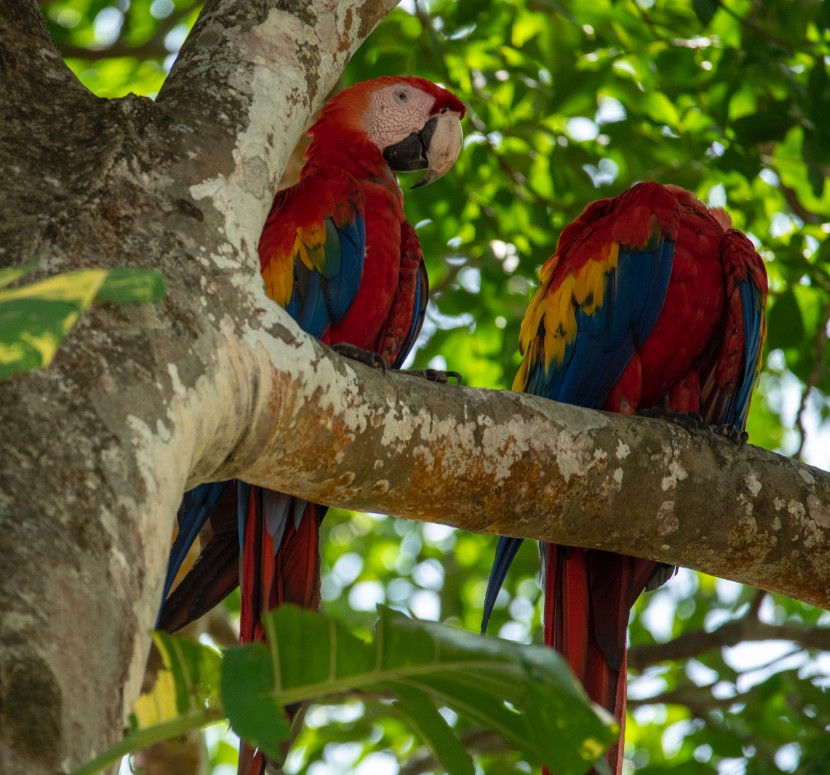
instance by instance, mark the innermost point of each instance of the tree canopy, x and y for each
(569, 102)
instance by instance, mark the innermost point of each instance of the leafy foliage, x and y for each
(527, 695)
(35, 318)
(571, 101)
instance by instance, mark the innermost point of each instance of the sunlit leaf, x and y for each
(35, 318)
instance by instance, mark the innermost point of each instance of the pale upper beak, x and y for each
(435, 148)
(443, 148)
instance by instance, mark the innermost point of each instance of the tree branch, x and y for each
(498, 462)
(694, 643)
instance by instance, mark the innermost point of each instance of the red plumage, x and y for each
(337, 253)
(651, 300)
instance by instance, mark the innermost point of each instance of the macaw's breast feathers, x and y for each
(313, 247)
(599, 296)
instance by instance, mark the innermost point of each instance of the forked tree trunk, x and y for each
(215, 382)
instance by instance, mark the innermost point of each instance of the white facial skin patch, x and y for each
(396, 112)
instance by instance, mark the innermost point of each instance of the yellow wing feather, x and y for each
(555, 310)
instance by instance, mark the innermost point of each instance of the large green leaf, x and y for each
(428, 724)
(252, 702)
(35, 318)
(525, 693)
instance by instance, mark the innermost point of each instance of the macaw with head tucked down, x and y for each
(338, 254)
(651, 301)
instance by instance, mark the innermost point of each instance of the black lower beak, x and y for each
(406, 156)
(410, 154)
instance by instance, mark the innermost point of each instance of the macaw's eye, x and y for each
(443, 111)
(402, 96)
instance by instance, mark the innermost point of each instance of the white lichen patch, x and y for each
(396, 431)
(618, 476)
(178, 386)
(819, 512)
(623, 450)
(779, 503)
(813, 534)
(574, 453)
(459, 439)
(162, 431)
(667, 521)
(676, 474)
(796, 510)
(807, 477)
(511, 441)
(752, 484)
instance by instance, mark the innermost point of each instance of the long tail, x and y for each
(279, 563)
(588, 598)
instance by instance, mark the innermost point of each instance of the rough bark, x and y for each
(97, 450)
(216, 382)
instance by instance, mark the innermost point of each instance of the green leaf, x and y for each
(704, 10)
(35, 318)
(785, 323)
(122, 286)
(193, 670)
(812, 159)
(432, 728)
(251, 699)
(8, 276)
(770, 123)
(485, 679)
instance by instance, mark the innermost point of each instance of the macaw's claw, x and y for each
(436, 375)
(737, 437)
(366, 357)
(691, 421)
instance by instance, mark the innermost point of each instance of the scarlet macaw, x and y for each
(651, 300)
(337, 253)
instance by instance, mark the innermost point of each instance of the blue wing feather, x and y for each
(737, 406)
(320, 299)
(194, 512)
(308, 304)
(596, 357)
(342, 286)
(605, 340)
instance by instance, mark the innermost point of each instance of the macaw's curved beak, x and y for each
(435, 148)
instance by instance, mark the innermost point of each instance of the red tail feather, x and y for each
(588, 598)
(251, 761)
(271, 576)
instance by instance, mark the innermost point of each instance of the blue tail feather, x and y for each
(505, 552)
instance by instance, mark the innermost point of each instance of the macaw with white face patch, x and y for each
(338, 254)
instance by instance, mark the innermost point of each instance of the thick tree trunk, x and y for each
(215, 382)
(97, 449)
